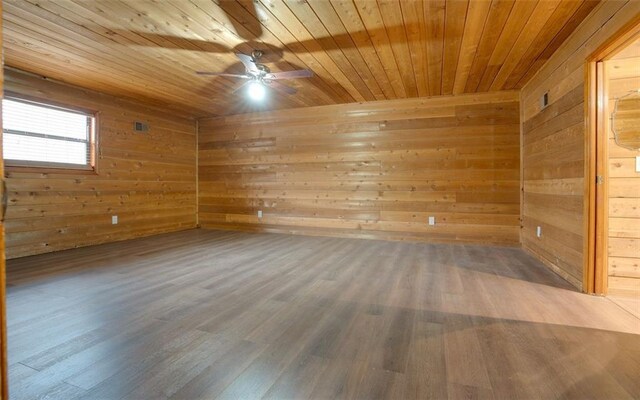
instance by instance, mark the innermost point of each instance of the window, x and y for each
(42, 135)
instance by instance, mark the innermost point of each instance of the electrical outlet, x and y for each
(114, 220)
(259, 213)
(432, 220)
(538, 231)
(637, 163)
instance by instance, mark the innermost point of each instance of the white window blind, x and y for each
(40, 135)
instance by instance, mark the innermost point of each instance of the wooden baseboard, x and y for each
(559, 271)
(371, 235)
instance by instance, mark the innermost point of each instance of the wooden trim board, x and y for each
(4, 382)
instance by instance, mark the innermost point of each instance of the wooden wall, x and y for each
(554, 144)
(623, 74)
(374, 170)
(4, 383)
(148, 179)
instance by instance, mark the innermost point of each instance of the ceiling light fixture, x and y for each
(256, 91)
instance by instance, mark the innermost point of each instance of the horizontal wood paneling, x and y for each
(623, 74)
(361, 50)
(554, 141)
(377, 169)
(148, 180)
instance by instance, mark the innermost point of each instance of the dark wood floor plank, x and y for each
(426, 375)
(298, 380)
(209, 314)
(214, 378)
(165, 374)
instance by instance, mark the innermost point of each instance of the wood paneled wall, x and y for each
(554, 144)
(623, 74)
(374, 170)
(147, 179)
(4, 383)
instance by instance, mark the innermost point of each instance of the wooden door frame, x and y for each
(596, 189)
(4, 367)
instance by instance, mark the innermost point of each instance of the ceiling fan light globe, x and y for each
(256, 91)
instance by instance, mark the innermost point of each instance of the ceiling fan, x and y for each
(259, 75)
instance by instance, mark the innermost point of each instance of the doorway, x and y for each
(614, 186)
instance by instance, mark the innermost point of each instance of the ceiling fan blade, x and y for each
(248, 62)
(222, 74)
(240, 87)
(300, 73)
(283, 88)
(244, 18)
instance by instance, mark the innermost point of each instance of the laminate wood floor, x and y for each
(629, 302)
(208, 314)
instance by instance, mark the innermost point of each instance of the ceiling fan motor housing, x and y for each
(263, 68)
(257, 54)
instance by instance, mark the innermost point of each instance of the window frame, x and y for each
(53, 167)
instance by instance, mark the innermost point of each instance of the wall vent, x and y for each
(140, 127)
(544, 100)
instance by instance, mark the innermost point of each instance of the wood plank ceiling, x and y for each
(360, 50)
